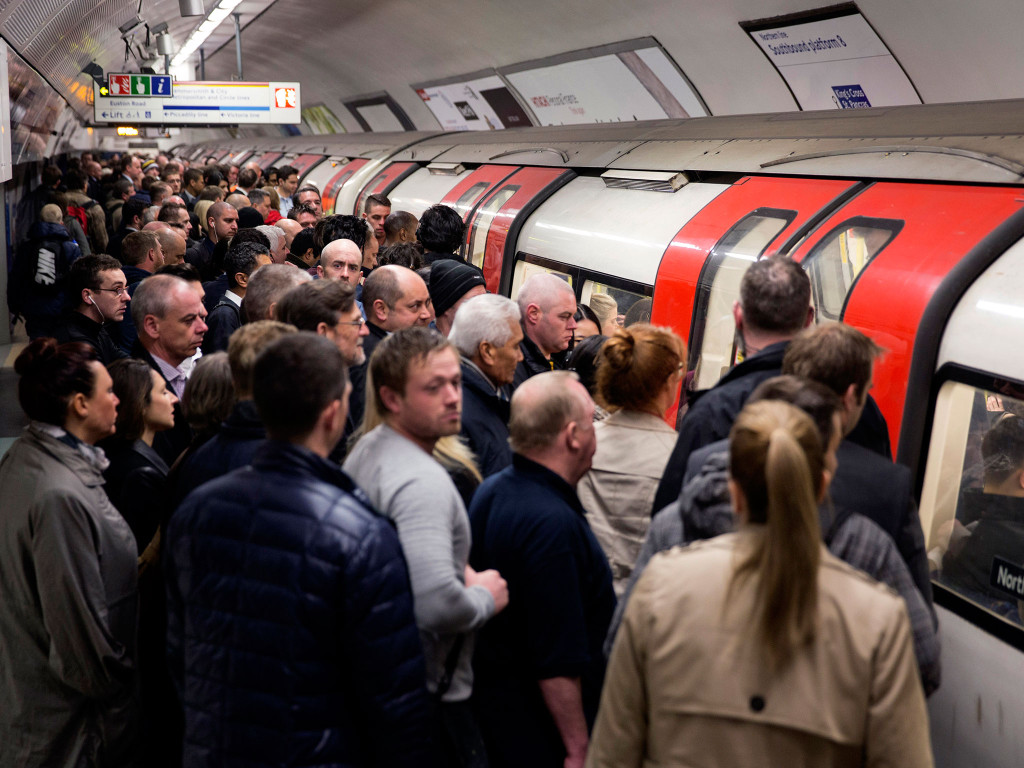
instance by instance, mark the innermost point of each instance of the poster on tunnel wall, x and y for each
(836, 61)
(473, 104)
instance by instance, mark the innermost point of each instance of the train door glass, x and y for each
(482, 223)
(972, 508)
(333, 185)
(629, 307)
(470, 197)
(839, 258)
(712, 339)
(267, 159)
(472, 189)
(527, 268)
(383, 181)
(422, 189)
(303, 163)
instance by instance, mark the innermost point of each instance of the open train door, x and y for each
(699, 275)
(875, 262)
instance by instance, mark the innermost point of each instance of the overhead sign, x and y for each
(204, 103)
(474, 104)
(634, 80)
(836, 61)
(160, 86)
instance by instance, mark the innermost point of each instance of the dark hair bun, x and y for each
(618, 350)
(37, 353)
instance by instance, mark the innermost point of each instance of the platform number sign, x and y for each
(140, 85)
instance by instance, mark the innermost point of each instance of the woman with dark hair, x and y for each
(638, 374)
(136, 477)
(583, 362)
(587, 324)
(67, 572)
(760, 643)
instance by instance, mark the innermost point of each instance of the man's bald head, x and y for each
(291, 228)
(238, 201)
(173, 245)
(156, 226)
(341, 260)
(542, 289)
(551, 422)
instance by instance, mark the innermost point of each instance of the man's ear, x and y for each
(737, 315)
(533, 313)
(572, 436)
(322, 328)
(242, 279)
(151, 326)
(320, 271)
(849, 399)
(391, 400)
(380, 311)
(810, 317)
(486, 352)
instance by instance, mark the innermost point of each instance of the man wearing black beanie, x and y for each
(451, 283)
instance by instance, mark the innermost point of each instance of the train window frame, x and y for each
(893, 226)
(478, 191)
(709, 272)
(482, 208)
(946, 595)
(581, 275)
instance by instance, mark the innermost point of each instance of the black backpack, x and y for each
(40, 270)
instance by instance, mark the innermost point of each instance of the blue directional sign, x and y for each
(160, 85)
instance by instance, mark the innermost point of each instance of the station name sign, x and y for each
(196, 103)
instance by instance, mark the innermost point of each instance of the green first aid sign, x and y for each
(140, 85)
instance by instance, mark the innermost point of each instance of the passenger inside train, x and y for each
(460, 502)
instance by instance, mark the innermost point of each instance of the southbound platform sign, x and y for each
(196, 103)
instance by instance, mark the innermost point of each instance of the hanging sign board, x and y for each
(835, 61)
(202, 103)
(473, 104)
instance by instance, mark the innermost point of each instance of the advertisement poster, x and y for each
(320, 119)
(479, 104)
(837, 62)
(632, 83)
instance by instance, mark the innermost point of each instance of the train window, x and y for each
(482, 223)
(470, 197)
(712, 341)
(630, 307)
(525, 269)
(972, 502)
(838, 259)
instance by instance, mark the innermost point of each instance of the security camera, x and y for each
(129, 28)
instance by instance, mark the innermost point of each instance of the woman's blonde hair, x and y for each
(450, 451)
(635, 363)
(777, 459)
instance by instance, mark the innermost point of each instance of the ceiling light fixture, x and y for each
(213, 20)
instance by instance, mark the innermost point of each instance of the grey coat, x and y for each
(68, 605)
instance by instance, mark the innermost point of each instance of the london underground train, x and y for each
(910, 224)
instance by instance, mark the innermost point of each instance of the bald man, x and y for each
(547, 303)
(341, 260)
(291, 228)
(539, 665)
(238, 201)
(173, 245)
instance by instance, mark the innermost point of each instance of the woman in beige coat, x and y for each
(759, 648)
(639, 370)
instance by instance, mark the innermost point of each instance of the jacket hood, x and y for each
(704, 503)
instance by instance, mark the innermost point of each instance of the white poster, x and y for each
(204, 103)
(482, 104)
(837, 63)
(639, 84)
(380, 117)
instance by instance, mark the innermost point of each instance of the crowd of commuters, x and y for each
(297, 489)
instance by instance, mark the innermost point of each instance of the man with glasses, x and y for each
(327, 308)
(99, 291)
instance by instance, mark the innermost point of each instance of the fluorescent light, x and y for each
(206, 28)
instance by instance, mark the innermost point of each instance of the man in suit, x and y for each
(170, 319)
(842, 358)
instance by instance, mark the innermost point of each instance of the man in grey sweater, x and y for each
(417, 391)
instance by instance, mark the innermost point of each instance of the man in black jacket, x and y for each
(547, 304)
(774, 305)
(98, 293)
(487, 333)
(842, 358)
(241, 260)
(282, 579)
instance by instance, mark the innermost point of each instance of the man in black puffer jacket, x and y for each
(291, 636)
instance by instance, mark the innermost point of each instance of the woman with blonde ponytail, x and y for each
(759, 647)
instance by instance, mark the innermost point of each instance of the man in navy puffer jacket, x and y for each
(291, 636)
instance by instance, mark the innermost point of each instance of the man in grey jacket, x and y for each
(418, 393)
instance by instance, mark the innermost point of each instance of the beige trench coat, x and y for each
(686, 686)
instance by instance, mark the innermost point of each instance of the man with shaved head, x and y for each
(547, 303)
(290, 228)
(238, 200)
(341, 260)
(400, 227)
(172, 244)
(221, 223)
(539, 665)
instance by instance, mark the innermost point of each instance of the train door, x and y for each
(876, 261)
(332, 177)
(466, 196)
(383, 182)
(699, 276)
(497, 218)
